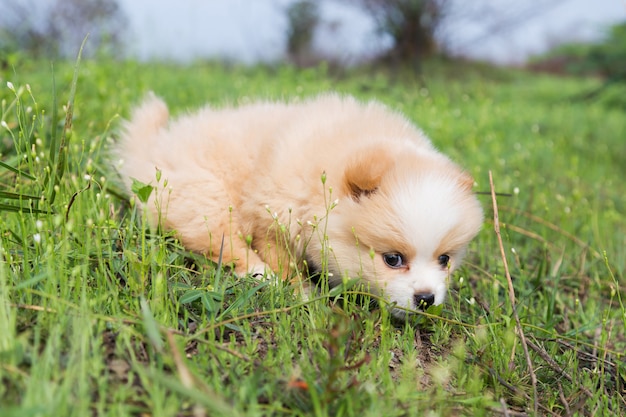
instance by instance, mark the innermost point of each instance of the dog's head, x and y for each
(403, 224)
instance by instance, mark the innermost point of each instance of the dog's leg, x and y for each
(193, 209)
(246, 260)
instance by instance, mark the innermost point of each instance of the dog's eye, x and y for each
(393, 260)
(444, 260)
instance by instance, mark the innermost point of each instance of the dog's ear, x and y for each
(364, 173)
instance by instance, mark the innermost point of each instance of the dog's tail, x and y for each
(147, 119)
(137, 152)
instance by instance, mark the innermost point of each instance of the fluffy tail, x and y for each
(135, 150)
(147, 119)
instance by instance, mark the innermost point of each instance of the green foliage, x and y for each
(100, 315)
(606, 58)
(141, 190)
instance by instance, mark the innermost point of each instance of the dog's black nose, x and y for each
(424, 300)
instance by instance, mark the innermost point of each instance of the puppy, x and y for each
(327, 185)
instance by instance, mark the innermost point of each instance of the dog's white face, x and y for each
(408, 233)
(438, 219)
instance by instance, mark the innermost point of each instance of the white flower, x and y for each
(10, 86)
(37, 238)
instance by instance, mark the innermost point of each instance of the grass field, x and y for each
(100, 316)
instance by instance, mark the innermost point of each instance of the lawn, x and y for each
(100, 315)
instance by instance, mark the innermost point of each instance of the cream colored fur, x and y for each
(253, 174)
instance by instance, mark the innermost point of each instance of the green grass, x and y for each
(99, 316)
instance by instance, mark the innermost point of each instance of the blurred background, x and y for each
(305, 32)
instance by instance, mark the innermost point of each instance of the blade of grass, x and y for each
(241, 300)
(218, 270)
(520, 329)
(150, 325)
(17, 171)
(615, 288)
(61, 162)
(15, 196)
(52, 155)
(16, 209)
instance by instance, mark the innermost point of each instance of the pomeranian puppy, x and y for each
(326, 186)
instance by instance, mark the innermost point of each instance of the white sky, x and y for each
(251, 30)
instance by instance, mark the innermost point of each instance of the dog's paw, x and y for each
(262, 273)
